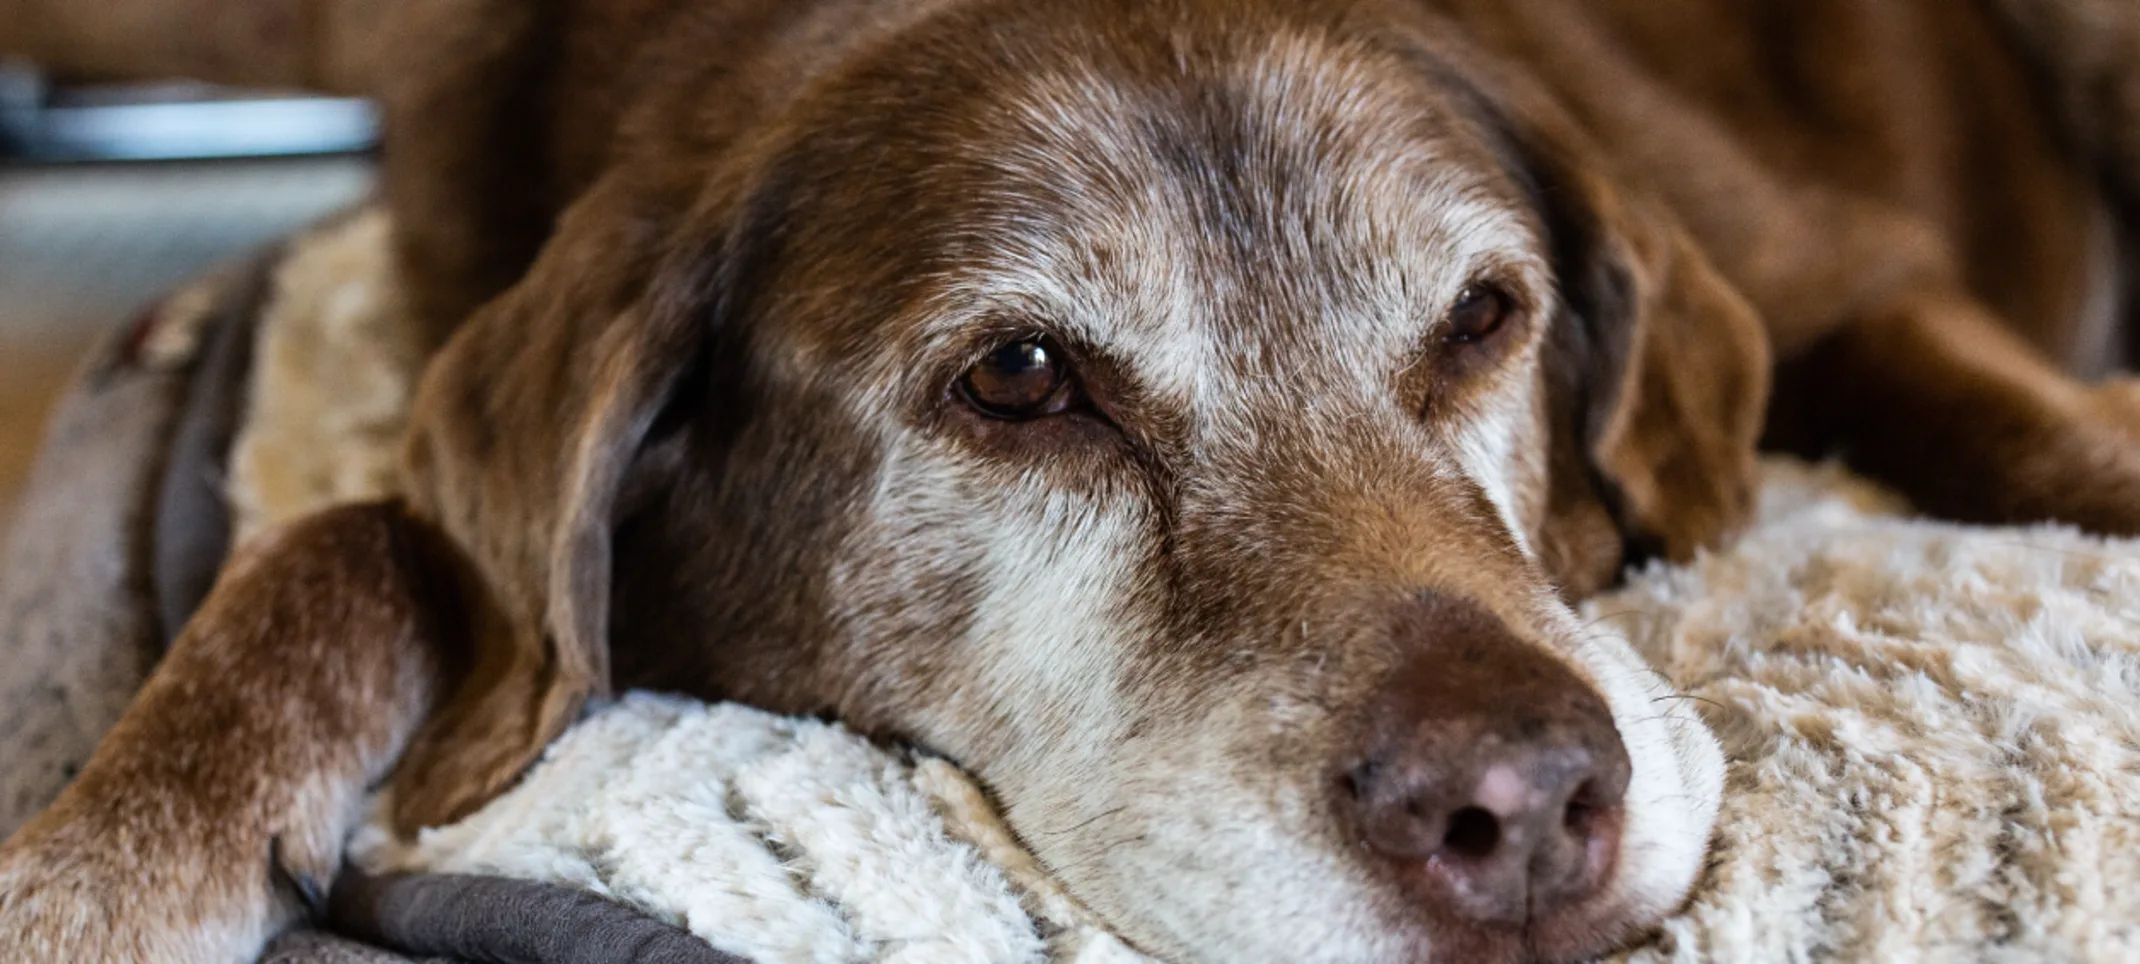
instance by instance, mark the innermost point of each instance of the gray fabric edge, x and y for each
(318, 947)
(503, 919)
(76, 624)
(191, 532)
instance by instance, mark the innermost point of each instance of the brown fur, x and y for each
(714, 250)
(249, 750)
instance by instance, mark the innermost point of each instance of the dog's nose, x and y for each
(1491, 775)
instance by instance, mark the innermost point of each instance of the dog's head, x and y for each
(1192, 422)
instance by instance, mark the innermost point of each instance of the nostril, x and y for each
(1360, 778)
(1581, 813)
(1586, 808)
(1473, 834)
(1578, 818)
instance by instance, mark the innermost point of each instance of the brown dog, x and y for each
(1192, 417)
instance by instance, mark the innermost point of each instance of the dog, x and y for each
(1195, 418)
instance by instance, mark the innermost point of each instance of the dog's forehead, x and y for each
(1280, 209)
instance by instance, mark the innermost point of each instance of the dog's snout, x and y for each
(1512, 826)
(1491, 776)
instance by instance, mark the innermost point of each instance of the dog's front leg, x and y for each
(216, 809)
(1933, 395)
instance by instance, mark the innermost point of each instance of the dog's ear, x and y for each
(1658, 374)
(528, 428)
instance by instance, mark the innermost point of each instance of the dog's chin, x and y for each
(1206, 905)
(1193, 861)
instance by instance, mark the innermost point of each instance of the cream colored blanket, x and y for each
(1933, 731)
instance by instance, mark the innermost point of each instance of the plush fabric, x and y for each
(317, 947)
(1933, 730)
(503, 919)
(336, 366)
(79, 624)
(1934, 733)
(786, 841)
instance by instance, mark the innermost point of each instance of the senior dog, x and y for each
(1192, 417)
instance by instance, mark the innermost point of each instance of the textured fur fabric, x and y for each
(78, 628)
(1934, 734)
(777, 839)
(334, 373)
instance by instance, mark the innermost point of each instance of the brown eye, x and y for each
(1480, 310)
(1021, 380)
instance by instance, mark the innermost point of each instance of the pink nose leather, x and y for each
(1490, 775)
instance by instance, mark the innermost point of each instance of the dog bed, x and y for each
(1933, 731)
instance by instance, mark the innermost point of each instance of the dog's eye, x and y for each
(1480, 310)
(1021, 380)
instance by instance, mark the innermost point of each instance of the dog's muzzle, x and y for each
(1489, 778)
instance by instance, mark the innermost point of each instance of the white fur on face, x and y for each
(1130, 802)
(1677, 784)
(1501, 447)
(1171, 814)
(1051, 579)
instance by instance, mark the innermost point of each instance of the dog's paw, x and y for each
(2082, 467)
(2110, 413)
(57, 906)
(2116, 402)
(70, 894)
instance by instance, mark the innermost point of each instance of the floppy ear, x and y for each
(526, 429)
(1659, 374)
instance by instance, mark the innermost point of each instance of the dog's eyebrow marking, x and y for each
(1098, 192)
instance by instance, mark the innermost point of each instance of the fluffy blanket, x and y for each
(777, 839)
(1933, 730)
(1933, 733)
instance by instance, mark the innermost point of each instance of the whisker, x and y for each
(1690, 697)
(1095, 818)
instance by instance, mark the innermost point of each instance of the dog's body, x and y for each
(1390, 326)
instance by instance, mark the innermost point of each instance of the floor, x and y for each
(84, 247)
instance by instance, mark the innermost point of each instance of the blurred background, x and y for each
(111, 195)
